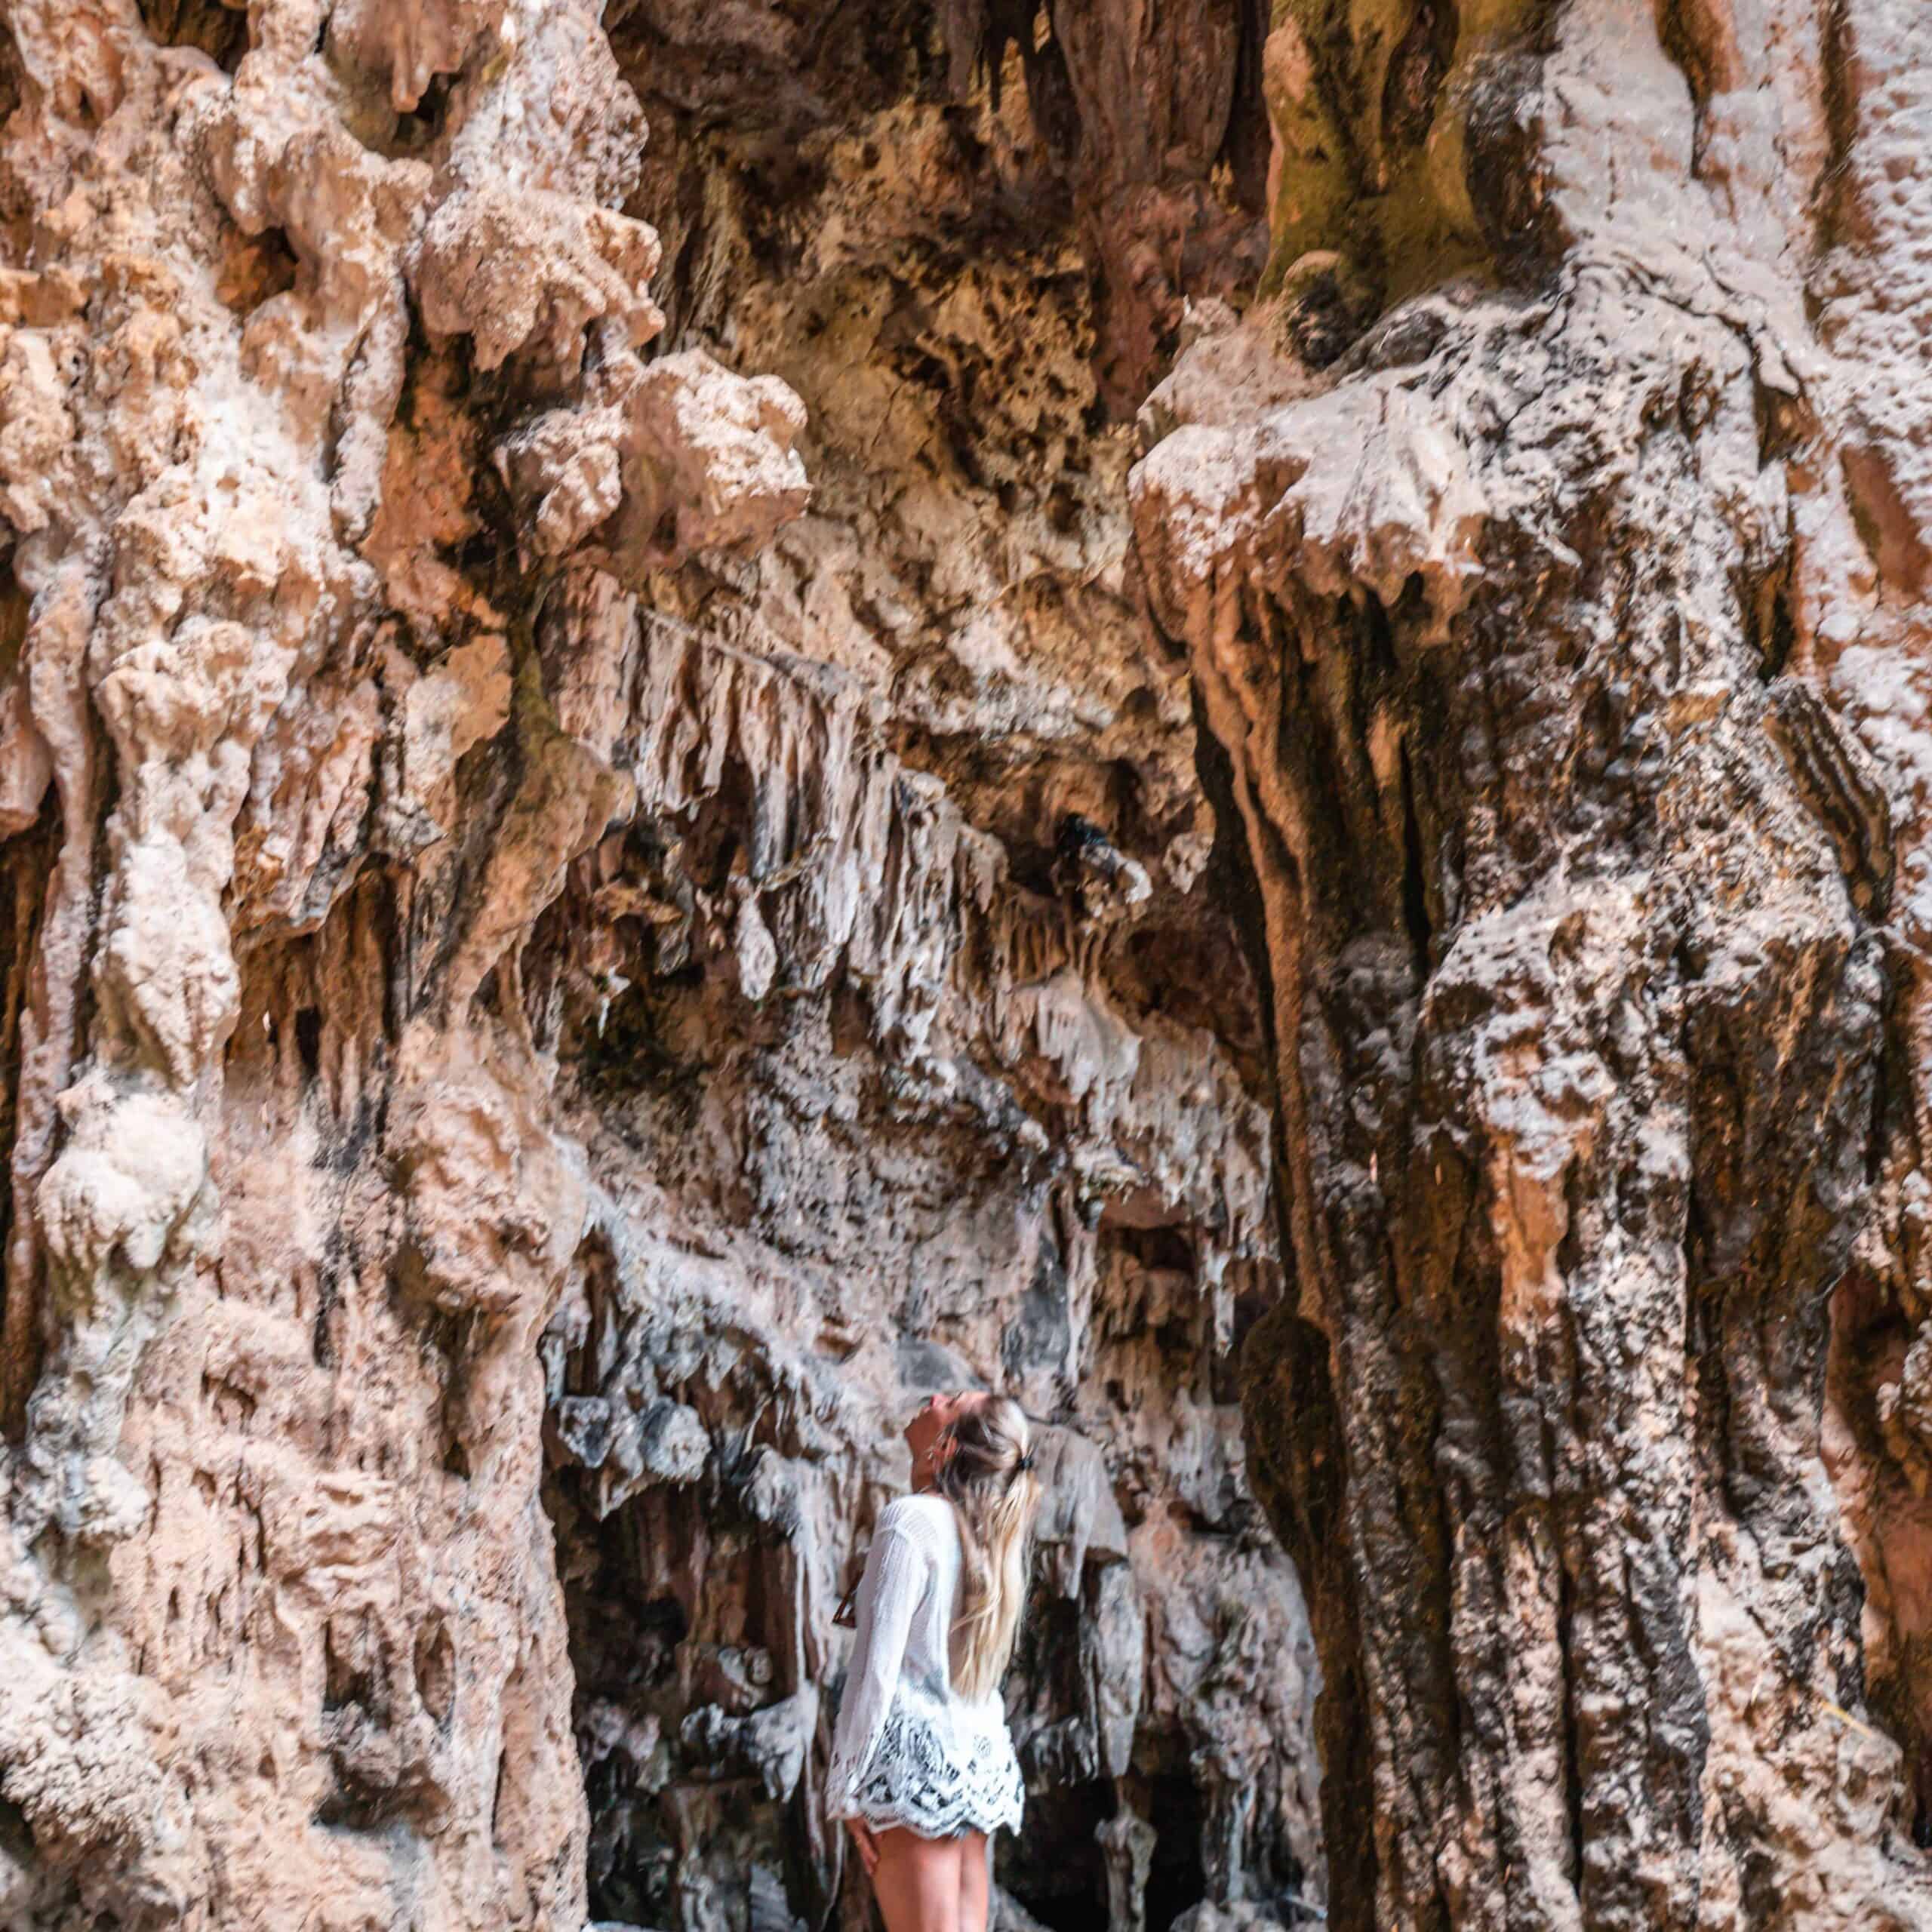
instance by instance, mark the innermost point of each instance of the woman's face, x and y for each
(937, 1415)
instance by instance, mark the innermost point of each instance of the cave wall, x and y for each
(607, 884)
(709, 715)
(1548, 545)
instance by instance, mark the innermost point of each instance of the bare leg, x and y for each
(917, 1882)
(974, 1877)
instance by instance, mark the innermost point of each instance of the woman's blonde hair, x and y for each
(989, 1479)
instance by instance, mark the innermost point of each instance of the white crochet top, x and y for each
(907, 1750)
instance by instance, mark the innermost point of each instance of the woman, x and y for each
(922, 1768)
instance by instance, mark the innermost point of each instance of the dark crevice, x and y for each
(1297, 1463)
(1687, 52)
(1055, 1869)
(1782, 632)
(308, 1040)
(26, 861)
(1415, 877)
(328, 1294)
(218, 30)
(257, 270)
(348, 1676)
(1416, 73)
(1571, 1664)
(1176, 1880)
(1228, 879)
(419, 128)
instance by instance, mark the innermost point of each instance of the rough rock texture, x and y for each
(631, 836)
(606, 884)
(1550, 552)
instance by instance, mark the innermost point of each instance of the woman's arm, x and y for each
(888, 1594)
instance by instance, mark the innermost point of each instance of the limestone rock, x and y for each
(606, 886)
(1553, 634)
(710, 716)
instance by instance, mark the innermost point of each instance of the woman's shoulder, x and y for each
(925, 1518)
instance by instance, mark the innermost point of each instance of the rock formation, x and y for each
(709, 715)
(1555, 600)
(607, 884)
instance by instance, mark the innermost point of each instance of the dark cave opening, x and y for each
(667, 1830)
(1175, 1878)
(705, 1688)
(1054, 1867)
(675, 1610)
(680, 1594)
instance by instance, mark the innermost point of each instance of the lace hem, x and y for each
(913, 1780)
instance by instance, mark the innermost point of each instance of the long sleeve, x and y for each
(889, 1592)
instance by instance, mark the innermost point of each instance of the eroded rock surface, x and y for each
(632, 837)
(607, 885)
(1549, 552)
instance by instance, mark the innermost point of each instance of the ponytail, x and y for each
(989, 1479)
